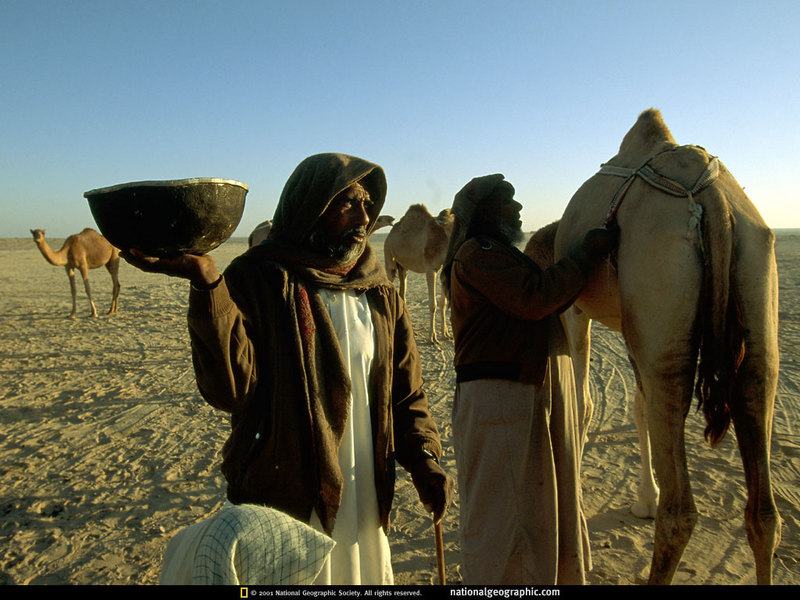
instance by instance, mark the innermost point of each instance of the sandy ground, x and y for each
(106, 449)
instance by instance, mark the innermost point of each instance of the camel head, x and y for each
(447, 220)
(38, 235)
(383, 221)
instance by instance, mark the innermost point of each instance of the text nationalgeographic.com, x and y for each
(504, 592)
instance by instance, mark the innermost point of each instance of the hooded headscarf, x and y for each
(465, 204)
(314, 183)
(309, 190)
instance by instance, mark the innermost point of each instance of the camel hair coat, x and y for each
(264, 350)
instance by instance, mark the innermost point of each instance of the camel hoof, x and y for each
(644, 510)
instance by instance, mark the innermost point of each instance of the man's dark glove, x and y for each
(434, 486)
(597, 244)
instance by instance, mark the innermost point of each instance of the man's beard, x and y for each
(511, 234)
(345, 250)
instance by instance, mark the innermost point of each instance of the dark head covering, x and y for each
(314, 183)
(465, 205)
(308, 192)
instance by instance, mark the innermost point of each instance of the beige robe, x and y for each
(517, 449)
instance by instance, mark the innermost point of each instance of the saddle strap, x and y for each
(657, 180)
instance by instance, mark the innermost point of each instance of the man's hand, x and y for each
(597, 244)
(200, 270)
(434, 486)
(600, 242)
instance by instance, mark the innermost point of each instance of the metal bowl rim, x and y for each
(164, 183)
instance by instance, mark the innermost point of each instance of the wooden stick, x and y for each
(440, 552)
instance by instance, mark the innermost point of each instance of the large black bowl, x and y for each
(166, 218)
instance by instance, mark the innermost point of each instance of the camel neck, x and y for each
(58, 259)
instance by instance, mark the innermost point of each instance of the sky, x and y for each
(97, 93)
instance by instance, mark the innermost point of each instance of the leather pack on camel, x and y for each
(694, 279)
(418, 242)
(83, 251)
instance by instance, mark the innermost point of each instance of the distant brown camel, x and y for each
(694, 278)
(83, 251)
(418, 242)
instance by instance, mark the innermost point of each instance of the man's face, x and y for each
(506, 213)
(341, 232)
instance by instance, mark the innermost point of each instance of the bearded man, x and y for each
(515, 422)
(306, 343)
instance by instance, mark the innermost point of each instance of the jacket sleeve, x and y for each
(222, 352)
(517, 286)
(414, 428)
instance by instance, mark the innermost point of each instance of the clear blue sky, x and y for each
(95, 93)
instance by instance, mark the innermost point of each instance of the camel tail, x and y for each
(720, 323)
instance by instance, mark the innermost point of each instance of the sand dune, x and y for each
(108, 450)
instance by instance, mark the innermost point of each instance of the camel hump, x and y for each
(648, 136)
(419, 209)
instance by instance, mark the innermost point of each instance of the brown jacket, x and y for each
(499, 299)
(248, 363)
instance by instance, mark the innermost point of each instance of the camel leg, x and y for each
(85, 275)
(753, 406)
(72, 287)
(658, 326)
(676, 514)
(647, 493)
(113, 269)
(430, 277)
(578, 328)
(391, 267)
(402, 275)
(443, 313)
(762, 521)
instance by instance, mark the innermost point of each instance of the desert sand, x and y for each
(107, 448)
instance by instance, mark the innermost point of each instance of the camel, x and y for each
(383, 221)
(694, 280)
(418, 242)
(83, 251)
(259, 234)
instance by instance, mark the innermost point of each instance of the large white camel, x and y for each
(694, 279)
(418, 242)
(83, 251)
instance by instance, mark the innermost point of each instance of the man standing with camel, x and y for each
(515, 422)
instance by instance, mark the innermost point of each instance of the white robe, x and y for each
(361, 554)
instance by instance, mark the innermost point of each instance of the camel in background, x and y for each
(261, 231)
(259, 234)
(418, 242)
(383, 221)
(694, 278)
(83, 251)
